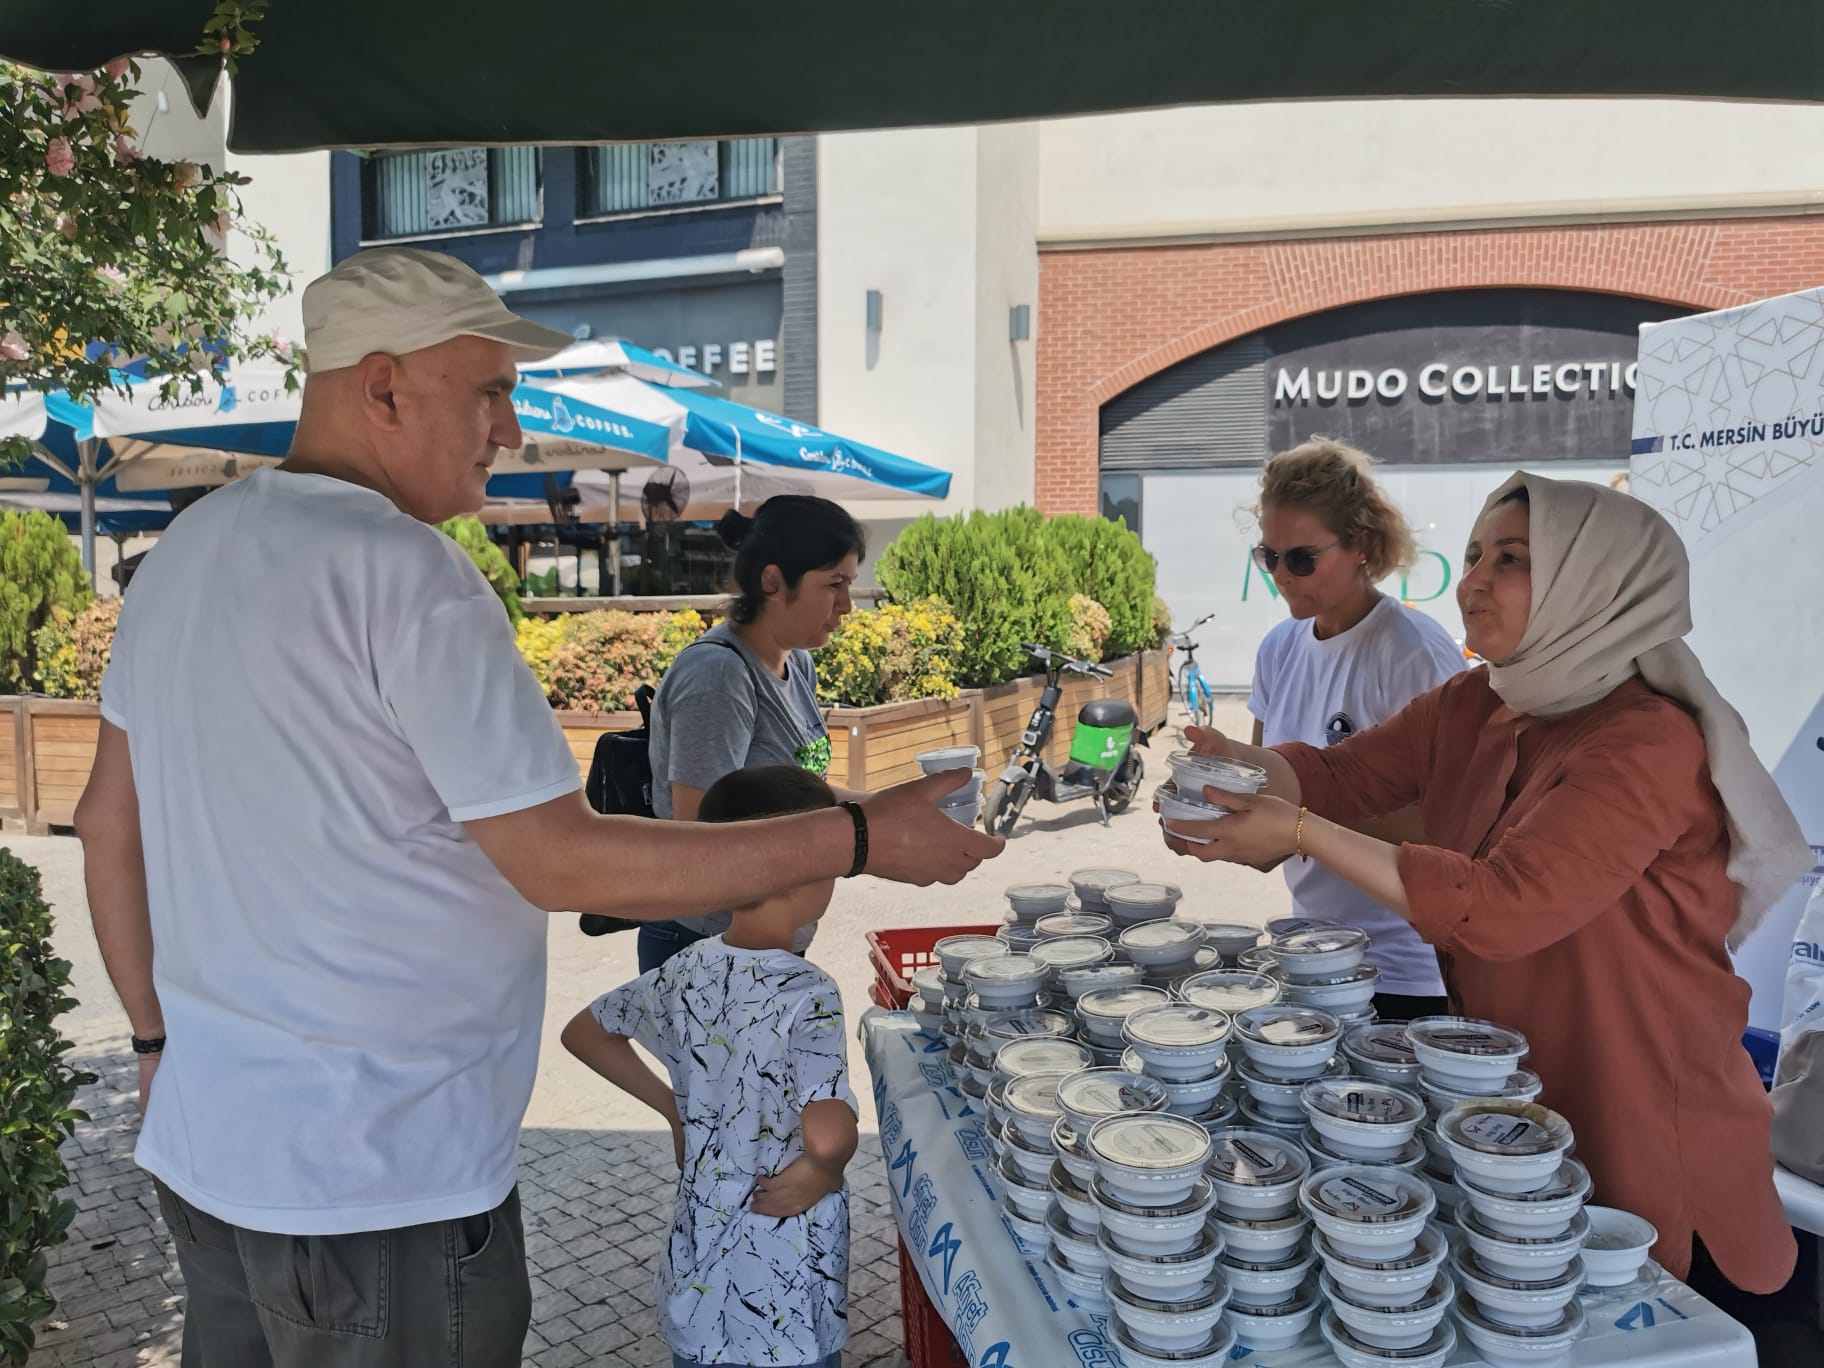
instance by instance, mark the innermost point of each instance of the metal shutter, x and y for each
(1207, 411)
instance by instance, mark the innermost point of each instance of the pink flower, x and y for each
(66, 225)
(86, 84)
(13, 347)
(215, 233)
(58, 159)
(112, 274)
(118, 68)
(281, 345)
(125, 149)
(187, 175)
(82, 105)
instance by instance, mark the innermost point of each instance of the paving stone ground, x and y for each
(596, 1175)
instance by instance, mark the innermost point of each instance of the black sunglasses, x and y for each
(1300, 560)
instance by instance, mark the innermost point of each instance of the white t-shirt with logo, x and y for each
(317, 690)
(1323, 692)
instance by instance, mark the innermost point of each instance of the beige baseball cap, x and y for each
(400, 299)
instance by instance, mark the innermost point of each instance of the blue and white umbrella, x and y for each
(618, 354)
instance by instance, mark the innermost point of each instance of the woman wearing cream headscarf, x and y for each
(1597, 831)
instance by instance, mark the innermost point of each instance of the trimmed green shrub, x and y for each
(40, 573)
(1108, 564)
(35, 1110)
(1162, 621)
(471, 536)
(1005, 579)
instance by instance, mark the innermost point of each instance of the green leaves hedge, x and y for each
(36, 1090)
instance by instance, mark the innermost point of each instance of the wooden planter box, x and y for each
(47, 745)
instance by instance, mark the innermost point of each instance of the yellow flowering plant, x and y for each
(892, 653)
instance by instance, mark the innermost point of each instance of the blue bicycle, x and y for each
(1189, 686)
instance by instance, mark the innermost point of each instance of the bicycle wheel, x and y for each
(1205, 708)
(1003, 805)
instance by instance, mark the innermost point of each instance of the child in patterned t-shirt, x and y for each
(761, 1115)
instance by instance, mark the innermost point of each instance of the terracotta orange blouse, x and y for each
(1576, 891)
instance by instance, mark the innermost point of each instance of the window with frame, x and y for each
(450, 190)
(637, 178)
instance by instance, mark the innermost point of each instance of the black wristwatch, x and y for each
(156, 1045)
(861, 837)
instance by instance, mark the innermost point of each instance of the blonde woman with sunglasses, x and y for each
(1349, 657)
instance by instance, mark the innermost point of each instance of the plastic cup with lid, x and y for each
(1072, 925)
(1261, 960)
(1166, 1277)
(1083, 1288)
(1505, 1146)
(1073, 1200)
(1466, 1053)
(1230, 939)
(1149, 1159)
(1091, 886)
(953, 952)
(1387, 1282)
(1103, 1056)
(1182, 1325)
(928, 984)
(970, 791)
(1256, 1175)
(997, 1104)
(1034, 1162)
(1031, 1198)
(1076, 983)
(1381, 1051)
(1618, 1245)
(965, 813)
(1342, 996)
(1034, 1238)
(1136, 903)
(1353, 1352)
(1093, 1095)
(1162, 944)
(1286, 1041)
(1193, 773)
(1511, 1346)
(1367, 1212)
(1443, 1186)
(1214, 1352)
(1507, 1301)
(1103, 1011)
(948, 758)
(1282, 1099)
(1153, 1231)
(1217, 1116)
(1005, 980)
(1177, 806)
(1525, 1260)
(1262, 1242)
(1074, 1242)
(1253, 1118)
(1267, 1283)
(1015, 1059)
(1017, 936)
(1540, 1214)
(1523, 1085)
(1229, 990)
(1392, 1327)
(1409, 1158)
(1032, 901)
(1321, 953)
(958, 1055)
(1361, 1118)
(931, 1023)
(1178, 1043)
(1269, 1329)
(974, 1087)
(1194, 1099)
(1031, 1101)
(1068, 1146)
(1027, 1024)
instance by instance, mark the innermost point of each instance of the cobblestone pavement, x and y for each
(596, 1176)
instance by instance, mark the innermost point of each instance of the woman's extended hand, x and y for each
(1206, 741)
(1260, 830)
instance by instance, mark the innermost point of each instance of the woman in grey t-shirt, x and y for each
(746, 693)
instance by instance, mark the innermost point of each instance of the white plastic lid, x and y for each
(1072, 952)
(1190, 798)
(1286, 1023)
(968, 947)
(1370, 1195)
(1148, 1143)
(1117, 1004)
(1362, 1100)
(1441, 1340)
(1002, 969)
(1251, 1158)
(1524, 1290)
(1033, 892)
(1322, 940)
(1512, 1129)
(1040, 1055)
(1177, 1025)
(1222, 771)
(1466, 1036)
(1095, 881)
(1027, 1022)
(1096, 978)
(1567, 1327)
(1201, 1201)
(1212, 1291)
(1259, 958)
(1229, 990)
(1161, 935)
(1381, 1042)
(1034, 1095)
(1074, 925)
(1408, 1156)
(1144, 894)
(1522, 1085)
(1571, 1182)
(1108, 1092)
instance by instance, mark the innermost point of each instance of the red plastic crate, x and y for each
(929, 1343)
(900, 953)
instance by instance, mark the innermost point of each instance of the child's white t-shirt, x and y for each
(750, 1037)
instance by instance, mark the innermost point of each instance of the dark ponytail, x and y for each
(795, 532)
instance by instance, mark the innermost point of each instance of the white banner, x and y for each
(1729, 445)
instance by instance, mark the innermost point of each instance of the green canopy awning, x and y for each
(375, 73)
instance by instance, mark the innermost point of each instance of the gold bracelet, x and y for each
(1298, 836)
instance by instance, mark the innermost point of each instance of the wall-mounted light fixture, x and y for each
(873, 310)
(1019, 323)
